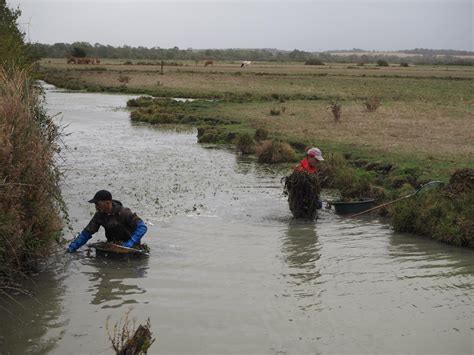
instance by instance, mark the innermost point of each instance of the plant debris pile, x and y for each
(460, 183)
(303, 191)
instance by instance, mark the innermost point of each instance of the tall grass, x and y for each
(30, 199)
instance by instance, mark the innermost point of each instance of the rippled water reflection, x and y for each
(230, 271)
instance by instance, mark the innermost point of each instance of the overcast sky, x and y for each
(306, 25)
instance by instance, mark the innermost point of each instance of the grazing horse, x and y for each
(72, 60)
(245, 63)
(208, 62)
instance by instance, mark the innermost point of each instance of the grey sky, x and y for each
(305, 25)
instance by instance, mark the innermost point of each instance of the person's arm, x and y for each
(85, 235)
(137, 235)
(79, 241)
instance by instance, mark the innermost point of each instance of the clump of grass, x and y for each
(30, 197)
(245, 143)
(123, 79)
(372, 103)
(336, 110)
(274, 111)
(142, 101)
(443, 214)
(353, 185)
(211, 134)
(328, 169)
(261, 134)
(401, 176)
(275, 151)
(128, 339)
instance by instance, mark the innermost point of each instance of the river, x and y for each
(230, 272)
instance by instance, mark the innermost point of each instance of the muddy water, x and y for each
(230, 272)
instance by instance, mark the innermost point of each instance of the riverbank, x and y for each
(30, 198)
(422, 130)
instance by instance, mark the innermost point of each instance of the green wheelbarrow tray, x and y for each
(112, 249)
(351, 207)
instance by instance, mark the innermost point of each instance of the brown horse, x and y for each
(208, 62)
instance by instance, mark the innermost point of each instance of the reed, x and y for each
(30, 198)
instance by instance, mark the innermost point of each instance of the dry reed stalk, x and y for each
(29, 193)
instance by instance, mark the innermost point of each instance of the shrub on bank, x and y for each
(30, 199)
(274, 151)
(314, 61)
(142, 101)
(212, 134)
(444, 214)
(245, 143)
(261, 134)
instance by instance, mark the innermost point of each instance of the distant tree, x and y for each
(314, 61)
(382, 63)
(78, 52)
(12, 47)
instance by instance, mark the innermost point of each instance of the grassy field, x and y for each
(425, 118)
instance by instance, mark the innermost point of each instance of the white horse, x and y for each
(245, 63)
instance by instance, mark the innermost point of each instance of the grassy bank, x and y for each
(30, 201)
(421, 131)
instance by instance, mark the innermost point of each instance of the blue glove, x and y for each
(79, 241)
(137, 235)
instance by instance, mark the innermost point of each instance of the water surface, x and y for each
(230, 272)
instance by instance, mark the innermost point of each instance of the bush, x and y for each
(336, 110)
(124, 79)
(404, 64)
(274, 151)
(142, 101)
(261, 134)
(433, 213)
(314, 61)
(382, 63)
(210, 134)
(274, 111)
(372, 103)
(245, 144)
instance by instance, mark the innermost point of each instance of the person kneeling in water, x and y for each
(121, 225)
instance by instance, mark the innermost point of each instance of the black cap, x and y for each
(102, 195)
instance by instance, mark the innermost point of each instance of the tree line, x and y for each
(63, 50)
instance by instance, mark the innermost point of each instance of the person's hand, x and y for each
(128, 244)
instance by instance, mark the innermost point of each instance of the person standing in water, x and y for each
(309, 165)
(310, 162)
(121, 225)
